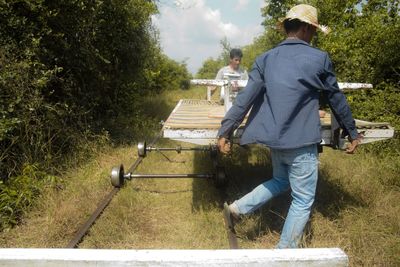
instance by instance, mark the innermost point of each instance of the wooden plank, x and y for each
(192, 114)
(203, 114)
(354, 86)
(216, 112)
(242, 83)
(322, 257)
(370, 125)
(215, 82)
(193, 126)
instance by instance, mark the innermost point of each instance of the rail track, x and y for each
(84, 229)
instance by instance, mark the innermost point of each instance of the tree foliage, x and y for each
(363, 46)
(209, 69)
(211, 66)
(73, 72)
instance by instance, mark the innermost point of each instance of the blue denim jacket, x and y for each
(283, 93)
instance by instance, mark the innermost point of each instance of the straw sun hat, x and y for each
(305, 13)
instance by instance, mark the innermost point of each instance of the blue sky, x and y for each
(191, 30)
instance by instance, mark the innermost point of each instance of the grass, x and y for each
(62, 209)
(356, 206)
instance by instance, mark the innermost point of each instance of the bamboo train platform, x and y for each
(197, 121)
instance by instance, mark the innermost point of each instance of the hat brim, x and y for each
(323, 28)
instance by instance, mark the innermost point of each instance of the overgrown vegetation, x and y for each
(355, 209)
(72, 78)
(72, 74)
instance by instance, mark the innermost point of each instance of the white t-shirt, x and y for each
(227, 69)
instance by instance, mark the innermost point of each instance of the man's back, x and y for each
(289, 109)
(283, 93)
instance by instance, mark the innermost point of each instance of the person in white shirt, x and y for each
(235, 57)
(233, 68)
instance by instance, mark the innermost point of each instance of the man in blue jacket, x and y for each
(283, 93)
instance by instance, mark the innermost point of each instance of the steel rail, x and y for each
(83, 230)
(102, 206)
(233, 243)
(231, 233)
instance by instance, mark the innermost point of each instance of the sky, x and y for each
(191, 30)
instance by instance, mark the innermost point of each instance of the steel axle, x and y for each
(143, 149)
(118, 176)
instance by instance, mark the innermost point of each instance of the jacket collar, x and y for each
(293, 41)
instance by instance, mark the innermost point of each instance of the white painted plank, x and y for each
(209, 136)
(242, 83)
(327, 257)
(355, 86)
(211, 82)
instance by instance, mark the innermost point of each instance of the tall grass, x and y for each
(356, 206)
(18, 194)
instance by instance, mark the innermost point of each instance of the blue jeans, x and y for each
(295, 169)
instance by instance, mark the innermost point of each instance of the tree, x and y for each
(361, 46)
(71, 73)
(211, 66)
(209, 69)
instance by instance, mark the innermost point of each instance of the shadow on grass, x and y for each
(248, 167)
(157, 106)
(331, 197)
(206, 195)
(142, 121)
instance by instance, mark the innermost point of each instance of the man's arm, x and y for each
(339, 106)
(243, 102)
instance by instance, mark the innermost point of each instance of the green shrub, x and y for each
(72, 76)
(18, 194)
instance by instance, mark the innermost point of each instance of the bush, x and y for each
(19, 193)
(73, 72)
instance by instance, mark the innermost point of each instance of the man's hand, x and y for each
(351, 148)
(224, 145)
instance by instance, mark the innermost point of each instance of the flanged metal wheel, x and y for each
(117, 176)
(141, 149)
(220, 177)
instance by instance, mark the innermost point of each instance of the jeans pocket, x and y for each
(304, 165)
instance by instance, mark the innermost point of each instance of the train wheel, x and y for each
(117, 176)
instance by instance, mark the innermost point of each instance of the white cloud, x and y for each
(241, 4)
(194, 32)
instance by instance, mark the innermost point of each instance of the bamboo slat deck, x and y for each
(195, 114)
(204, 114)
(198, 121)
